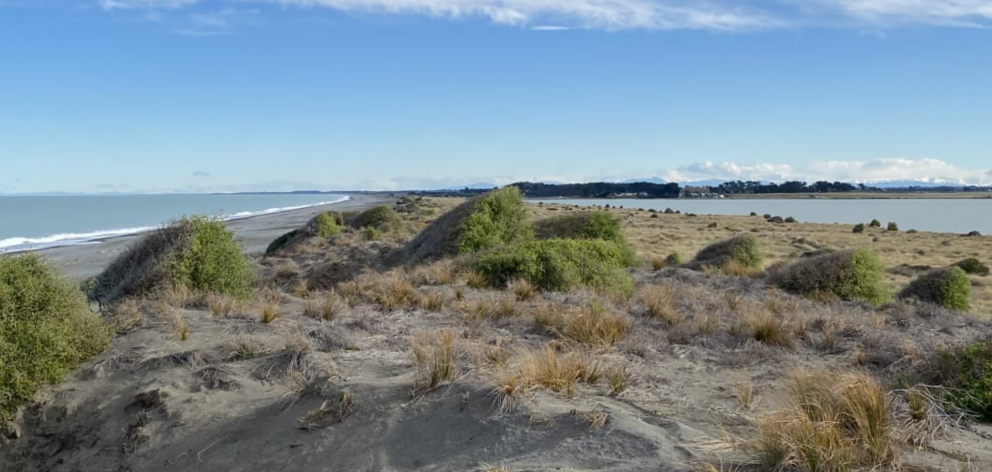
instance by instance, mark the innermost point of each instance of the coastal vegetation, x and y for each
(947, 287)
(850, 275)
(46, 329)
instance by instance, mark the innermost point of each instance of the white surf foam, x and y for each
(19, 244)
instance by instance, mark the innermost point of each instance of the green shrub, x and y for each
(966, 371)
(859, 228)
(46, 329)
(559, 265)
(198, 253)
(382, 218)
(585, 225)
(742, 249)
(973, 266)
(673, 259)
(892, 226)
(494, 219)
(326, 226)
(281, 242)
(846, 275)
(498, 218)
(948, 287)
(370, 233)
(875, 224)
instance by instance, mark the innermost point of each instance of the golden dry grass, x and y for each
(434, 358)
(268, 312)
(220, 305)
(594, 325)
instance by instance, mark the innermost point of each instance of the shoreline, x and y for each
(256, 231)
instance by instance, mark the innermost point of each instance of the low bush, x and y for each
(382, 218)
(673, 259)
(196, 253)
(973, 266)
(326, 226)
(742, 249)
(559, 265)
(46, 329)
(494, 219)
(875, 224)
(859, 228)
(892, 226)
(966, 372)
(586, 225)
(846, 275)
(949, 288)
(370, 233)
(281, 242)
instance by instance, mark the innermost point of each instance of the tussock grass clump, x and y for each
(494, 219)
(973, 266)
(196, 253)
(949, 288)
(742, 249)
(837, 422)
(660, 302)
(384, 219)
(434, 358)
(46, 328)
(561, 373)
(845, 275)
(594, 325)
(559, 265)
(523, 290)
(584, 225)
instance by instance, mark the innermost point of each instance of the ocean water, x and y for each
(38, 222)
(937, 215)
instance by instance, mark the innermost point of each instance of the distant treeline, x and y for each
(752, 187)
(599, 190)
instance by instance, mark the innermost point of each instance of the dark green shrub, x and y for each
(196, 252)
(324, 225)
(973, 266)
(791, 220)
(46, 329)
(382, 218)
(586, 225)
(948, 287)
(845, 275)
(673, 259)
(742, 249)
(966, 371)
(859, 228)
(494, 219)
(559, 264)
(892, 226)
(875, 224)
(281, 242)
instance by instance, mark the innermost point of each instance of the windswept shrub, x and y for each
(382, 218)
(494, 219)
(673, 259)
(948, 287)
(966, 371)
(875, 223)
(973, 266)
(892, 226)
(326, 226)
(742, 249)
(197, 253)
(585, 225)
(281, 242)
(46, 329)
(859, 228)
(559, 265)
(845, 275)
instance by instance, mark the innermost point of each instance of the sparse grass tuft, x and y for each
(659, 300)
(432, 300)
(268, 312)
(523, 290)
(545, 368)
(434, 358)
(619, 379)
(46, 328)
(220, 305)
(949, 288)
(594, 325)
(770, 328)
(476, 280)
(744, 392)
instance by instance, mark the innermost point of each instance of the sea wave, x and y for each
(19, 244)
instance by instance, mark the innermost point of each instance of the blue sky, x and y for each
(193, 95)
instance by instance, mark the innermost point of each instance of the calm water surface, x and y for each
(938, 215)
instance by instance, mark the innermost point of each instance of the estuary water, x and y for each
(937, 215)
(38, 222)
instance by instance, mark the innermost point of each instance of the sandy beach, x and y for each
(257, 232)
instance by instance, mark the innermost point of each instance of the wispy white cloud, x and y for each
(721, 15)
(872, 171)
